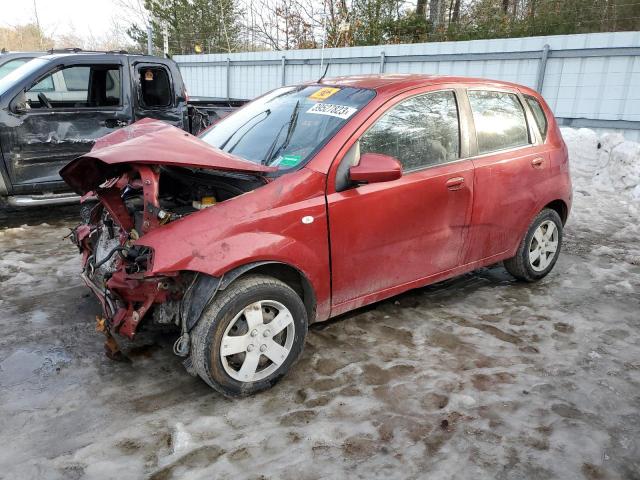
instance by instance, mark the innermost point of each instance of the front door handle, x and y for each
(537, 162)
(455, 183)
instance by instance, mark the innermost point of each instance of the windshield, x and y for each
(11, 65)
(288, 126)
(20, 73)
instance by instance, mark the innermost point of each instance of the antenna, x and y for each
(324, 40)
(326, 69)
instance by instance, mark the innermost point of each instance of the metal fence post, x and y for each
(228, 72)
(542, 67)
(283, 66)
(149, 40)
(382, 58)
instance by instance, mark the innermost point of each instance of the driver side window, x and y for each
(80, 86)
(421, 131)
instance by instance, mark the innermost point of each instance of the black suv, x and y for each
(54, 107)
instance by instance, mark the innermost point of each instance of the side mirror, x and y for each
(19, 104)
(375, 167)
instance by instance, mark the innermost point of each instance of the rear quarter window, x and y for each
(499, 120)
(538, 114)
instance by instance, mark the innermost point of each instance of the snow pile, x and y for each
(609, 161)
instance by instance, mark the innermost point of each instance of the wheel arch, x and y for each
(205, 287)
(560, 207)
(557, 205)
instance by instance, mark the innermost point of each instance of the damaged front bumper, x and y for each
(118, 279)
(134, 181)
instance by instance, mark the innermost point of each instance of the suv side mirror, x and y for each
(375, 167)
(19, 104)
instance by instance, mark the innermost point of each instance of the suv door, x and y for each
(155, 94)
(60, 117)
(511, 172)
(387, 237)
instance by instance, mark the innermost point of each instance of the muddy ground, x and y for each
(477, 377)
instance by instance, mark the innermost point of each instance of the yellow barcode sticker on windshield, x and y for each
(324, 93)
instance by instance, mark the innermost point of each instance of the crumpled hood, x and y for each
(152, 142)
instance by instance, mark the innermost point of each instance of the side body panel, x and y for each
(392, 236)
(512, 187)
(392, 233)
(508, 190)
(262, 225)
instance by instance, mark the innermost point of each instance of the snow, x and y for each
(609, 162)
(476, 377)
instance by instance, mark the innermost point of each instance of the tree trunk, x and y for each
(456, 12)
(505, 6)
(421, 8)
(436, 13)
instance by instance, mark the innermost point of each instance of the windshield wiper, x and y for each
(292, 126)
(268, 112)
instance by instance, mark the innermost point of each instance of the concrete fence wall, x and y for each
(590, 80)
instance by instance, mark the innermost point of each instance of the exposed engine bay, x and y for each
(122, 209)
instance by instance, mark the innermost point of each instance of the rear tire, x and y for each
(250, 336)
(539, 250)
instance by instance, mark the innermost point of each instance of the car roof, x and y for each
(88, 54)
(392, 82)
(12, 55)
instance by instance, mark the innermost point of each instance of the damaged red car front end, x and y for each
(133, 182)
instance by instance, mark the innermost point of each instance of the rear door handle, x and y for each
(537, 162)
(455, 183)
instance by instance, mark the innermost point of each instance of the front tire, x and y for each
(250, 336)
(538, 252)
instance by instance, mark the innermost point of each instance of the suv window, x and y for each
(44, 85)
(499, 119)
(538, 114)
(11, 65)
(155, 86)
(86, 86)
(76, 79)
(420, 131)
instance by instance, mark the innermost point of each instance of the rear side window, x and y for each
(155, 86)
(499, 119)
(419, 132)
(538, 114)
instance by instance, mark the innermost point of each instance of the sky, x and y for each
(59, 17)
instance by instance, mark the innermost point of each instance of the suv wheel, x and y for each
(250, 336)
(539, 249)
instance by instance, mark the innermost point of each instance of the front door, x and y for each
(386, 235)
(60, 118)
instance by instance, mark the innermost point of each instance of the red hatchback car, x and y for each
(311, 201)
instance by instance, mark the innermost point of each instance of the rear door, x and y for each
(156, 95)
(511, 171)
(66, 110)
(387, 235)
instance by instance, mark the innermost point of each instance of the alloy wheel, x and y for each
(257, 341)
(543, 246)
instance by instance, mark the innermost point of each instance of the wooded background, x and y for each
(217, 26)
